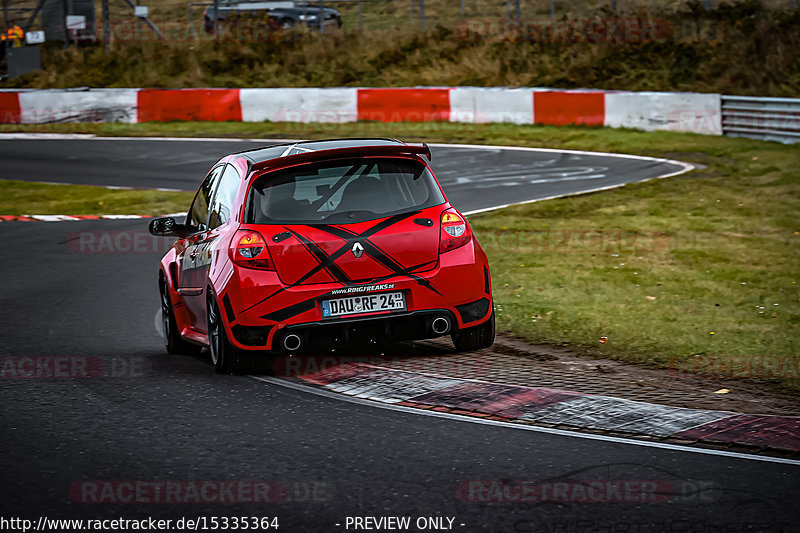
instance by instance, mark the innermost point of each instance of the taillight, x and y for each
(454, 231)
(250, 250)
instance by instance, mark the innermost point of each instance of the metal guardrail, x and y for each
(769, 119)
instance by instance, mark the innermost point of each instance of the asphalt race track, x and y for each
(473, 178)
(144, 416)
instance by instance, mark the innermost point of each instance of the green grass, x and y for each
(681, 272)
(32, 198)
(737, 48)
(712, 250)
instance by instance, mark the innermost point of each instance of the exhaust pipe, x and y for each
(292, 342)
(440, 325)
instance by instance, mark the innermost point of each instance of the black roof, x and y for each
(259, 155)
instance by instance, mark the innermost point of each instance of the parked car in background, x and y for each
(275, 15)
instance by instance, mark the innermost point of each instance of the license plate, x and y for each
(368, 303)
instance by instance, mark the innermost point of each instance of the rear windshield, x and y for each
(342, 191)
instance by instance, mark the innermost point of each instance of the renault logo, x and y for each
(357, 250)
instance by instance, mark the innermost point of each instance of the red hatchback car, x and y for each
(312, 245)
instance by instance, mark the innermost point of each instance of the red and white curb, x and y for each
(648, 111)
(75, 218)
(514, 403)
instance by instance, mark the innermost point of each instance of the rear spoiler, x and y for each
(341, 153)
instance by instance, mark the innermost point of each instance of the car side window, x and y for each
(222, 206)
(198, 214)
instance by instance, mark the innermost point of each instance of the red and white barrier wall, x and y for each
(688, 112)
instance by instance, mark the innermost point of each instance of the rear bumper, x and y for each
(260, 311)
(414, 325)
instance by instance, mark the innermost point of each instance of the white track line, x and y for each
(576, 193)
(92, 137)
(685, 167)
(511, 425)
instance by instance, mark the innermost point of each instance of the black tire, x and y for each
(476, 337)
(286, 23)
(225, 357)
(172, 338)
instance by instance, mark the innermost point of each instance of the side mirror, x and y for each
(167, 227)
